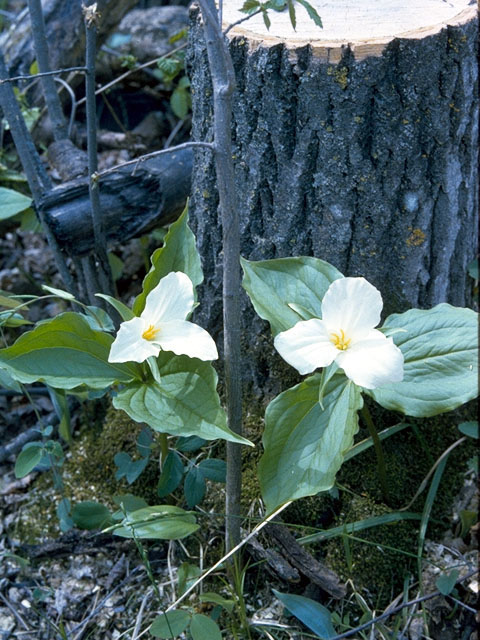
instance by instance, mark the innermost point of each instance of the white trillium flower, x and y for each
(162, 326)
(345, 335)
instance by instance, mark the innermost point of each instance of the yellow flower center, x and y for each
(340, 341)
(150, 333)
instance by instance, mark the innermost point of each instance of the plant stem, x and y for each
(103, 265)
(382, 471)
(223, 80)
(163, 448)
(54, 107)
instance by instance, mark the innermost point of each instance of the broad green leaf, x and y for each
(12, 202)
(98, 319)
(313, 615)
(187, 574)
(12, 319)
(127, 502)
(194, 487)
(28, 459)
(180, 102)
(161, 522)
(171, 624)
(440, 347)
(123, 310)
(184, 403)
(274, 285)
(305, 445)
(90, 515)
(179, 253)
(189, 444)
(66, 353)
(213, 469)
(469, 429)
(204, 628)
(446, 582)
(171, 476)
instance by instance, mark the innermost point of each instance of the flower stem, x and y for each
(163, 448)
(382, 471)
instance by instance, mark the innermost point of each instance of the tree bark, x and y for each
(358, 149)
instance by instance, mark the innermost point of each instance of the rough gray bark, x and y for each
(370, 164)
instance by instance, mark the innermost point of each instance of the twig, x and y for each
(38, 179)
(34, 76)
(73, 100)
(121, 77)
(13, 610)
(223, 80)
(428, 596)
(59, 127)
(136, 161)
(234, 24)
(105, 274)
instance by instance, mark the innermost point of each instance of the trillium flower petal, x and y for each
(373, 361)
(352, 304)
(306, 346)
(171, 299)
(129, 346)
(185, 338)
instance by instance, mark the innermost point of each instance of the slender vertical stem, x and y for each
(382, 471)
(223, 80)
(38, 179)
(163, 448)
(104, 271)
(55, 112)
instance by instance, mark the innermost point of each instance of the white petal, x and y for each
(171, 299)
(352, 304)
(306, 346)
(185, 338)
(372, 362)
(129, 346)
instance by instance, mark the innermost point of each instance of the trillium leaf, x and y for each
(160, 522)
(185, 402)
(287, 290)
(171, 624)
(12, 202)
(305, 445)
(65, 353)
(179, 253)
(440, 347)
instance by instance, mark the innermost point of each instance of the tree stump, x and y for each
(355, 143)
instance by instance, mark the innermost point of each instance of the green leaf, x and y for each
(273, 285)
(210, 596)
(472, 269)
(60, 404)
(12, 319)
(180, 102)
(58, 292)
(184, 403)
(123, 310)
(249, 6)
(28, 459)
(291, 13)
(171, 476)
(194, 487)
(469, 429)
(440, 347)
(446, 582)
(144, 442)
(161, 522)
(312, 12)
(171, 624)
(313, 615)
(359, 525)
(187, 574)
(7, 382)
(189, 444)
(204, 628)
(179, 253)
(98, 319)
(66, 353)
(128, 468)
(90, 515)
(213, 469)
(128, 502)
(12, 202)
(305, 446)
